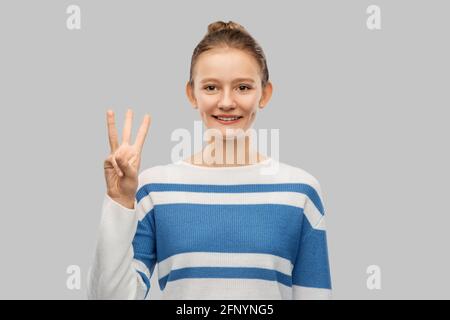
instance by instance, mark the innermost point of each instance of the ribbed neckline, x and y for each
(243, 167)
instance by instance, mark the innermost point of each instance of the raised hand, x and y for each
(122, 165)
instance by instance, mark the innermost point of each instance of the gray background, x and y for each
(366, 112)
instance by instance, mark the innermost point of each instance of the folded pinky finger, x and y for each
(116, 166)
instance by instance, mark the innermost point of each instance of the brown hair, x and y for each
(232, 35)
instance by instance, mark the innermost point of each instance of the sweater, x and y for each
(246, 232)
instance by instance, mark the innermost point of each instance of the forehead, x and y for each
(226, 65)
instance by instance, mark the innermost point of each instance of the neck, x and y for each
(237, 151)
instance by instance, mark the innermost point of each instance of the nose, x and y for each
(226, 102)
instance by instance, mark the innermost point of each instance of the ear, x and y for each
(266, 95)
(190, 95)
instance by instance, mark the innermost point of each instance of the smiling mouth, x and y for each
(227, 118)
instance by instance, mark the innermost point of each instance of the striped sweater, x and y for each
(215, 233)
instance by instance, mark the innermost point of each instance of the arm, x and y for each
(311, 274)
(125, 254)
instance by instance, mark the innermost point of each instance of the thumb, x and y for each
(126, 166)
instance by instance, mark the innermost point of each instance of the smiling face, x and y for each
(227, 89)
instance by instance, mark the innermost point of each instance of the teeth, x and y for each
(227, 119)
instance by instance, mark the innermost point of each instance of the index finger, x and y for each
(142, 133)
(112, 131)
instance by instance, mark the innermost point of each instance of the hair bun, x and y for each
(220, 25)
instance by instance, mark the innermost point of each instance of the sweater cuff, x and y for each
(110, 202)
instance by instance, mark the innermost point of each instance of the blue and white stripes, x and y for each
(261, 238)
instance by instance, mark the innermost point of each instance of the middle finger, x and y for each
(126, 135)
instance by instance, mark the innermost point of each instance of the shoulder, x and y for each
(310, 186)
(296, 174)
(154, 174)
(299, 175)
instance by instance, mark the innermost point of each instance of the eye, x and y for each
(244, 86)
(208, 86)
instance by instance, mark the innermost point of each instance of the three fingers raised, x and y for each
(126, 135)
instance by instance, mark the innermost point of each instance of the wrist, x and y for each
(125, 202)
(128, 204)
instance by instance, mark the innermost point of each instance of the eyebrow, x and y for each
(235, 80)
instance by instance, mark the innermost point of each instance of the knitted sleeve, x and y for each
(311, 274)
(125, 254)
